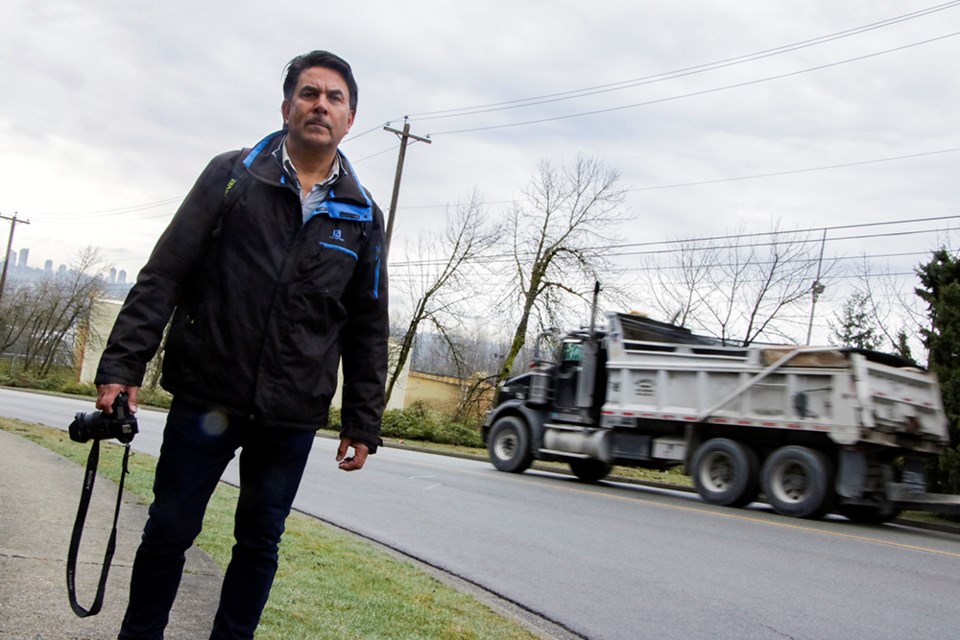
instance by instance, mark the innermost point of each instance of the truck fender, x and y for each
(534, 420)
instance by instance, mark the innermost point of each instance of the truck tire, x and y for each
(590, 469)
(725, 472)
(798, 482)
(509, 445)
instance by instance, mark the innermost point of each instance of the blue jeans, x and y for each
(197, 445)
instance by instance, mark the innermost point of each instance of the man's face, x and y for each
(318, 115)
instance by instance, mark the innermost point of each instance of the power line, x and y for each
(375, 128)
(758, 176)
(872, 257)
(692, 94)
(378, 153)
(670, 246)
(808, 230)
(507, 258)
(708, 239)
(85, 221)
(836, 277)
(488, 261)
(839, 277)
(788, 172)
(678, 73)
(779, 243)
(104, 213)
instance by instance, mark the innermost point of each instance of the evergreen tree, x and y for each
(940, 289)
(854, 326)
(901, 346)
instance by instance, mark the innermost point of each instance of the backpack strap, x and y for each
(238, 182)
(239, 176)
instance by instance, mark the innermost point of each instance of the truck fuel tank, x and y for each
(580, 441)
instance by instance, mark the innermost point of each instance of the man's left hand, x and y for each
(354, 462)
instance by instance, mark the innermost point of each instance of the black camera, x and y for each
(100, 425)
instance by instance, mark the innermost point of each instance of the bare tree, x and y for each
(476, 395)
(893, 307)
(559, 231)
(741, 288)
(45, 318)
(439, 287)
(15, 313)
(675, 290)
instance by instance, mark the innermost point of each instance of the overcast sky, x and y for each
(110, 109)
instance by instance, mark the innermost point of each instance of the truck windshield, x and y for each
(571, 352)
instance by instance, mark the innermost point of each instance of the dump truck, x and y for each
(813, 429)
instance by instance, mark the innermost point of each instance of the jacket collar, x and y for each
(263, 162)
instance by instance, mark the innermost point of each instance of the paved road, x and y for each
(617, 561)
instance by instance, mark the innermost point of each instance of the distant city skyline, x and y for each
(20, 259)
(18, 266)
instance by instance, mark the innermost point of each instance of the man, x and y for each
(272, 271)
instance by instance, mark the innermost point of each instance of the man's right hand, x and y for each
(107, 393)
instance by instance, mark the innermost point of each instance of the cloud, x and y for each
(113, 104)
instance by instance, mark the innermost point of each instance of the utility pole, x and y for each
(6, 256)
(817, 287)
(405, 136)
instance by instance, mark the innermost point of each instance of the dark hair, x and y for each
(319, 59)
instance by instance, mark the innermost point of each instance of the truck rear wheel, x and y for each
(725, 472)
(798, 482)
(590, 469)
(509, 445)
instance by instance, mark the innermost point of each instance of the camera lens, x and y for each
(85, 425)
(77, 432)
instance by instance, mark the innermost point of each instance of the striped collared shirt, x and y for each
(309, 201)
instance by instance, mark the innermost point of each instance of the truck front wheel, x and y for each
(725, 472)
(509, 445)
(798, 482)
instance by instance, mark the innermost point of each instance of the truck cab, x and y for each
(549, 412)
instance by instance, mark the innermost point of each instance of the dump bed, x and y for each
(660, 372)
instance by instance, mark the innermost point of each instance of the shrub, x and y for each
(29, 381)
(79, 389)
(154, 398)
(333, 421)
(419, 422)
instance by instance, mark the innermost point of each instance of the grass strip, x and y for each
(329, 584)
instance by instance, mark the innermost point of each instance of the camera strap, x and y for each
(89, 476)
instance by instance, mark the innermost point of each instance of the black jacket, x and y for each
(265, 305)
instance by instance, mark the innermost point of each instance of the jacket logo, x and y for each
(337, 235)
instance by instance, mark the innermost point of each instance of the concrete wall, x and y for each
(442, 393)
(91, 345)
(399, 389)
